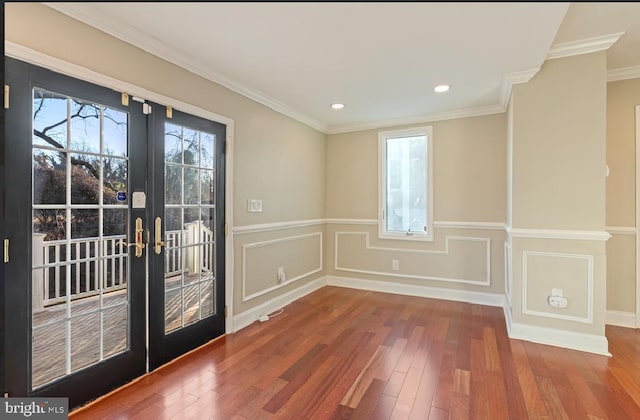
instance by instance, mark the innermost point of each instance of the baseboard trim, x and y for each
(248, 317)
(621, 319)
(560, 338)
(481, 298)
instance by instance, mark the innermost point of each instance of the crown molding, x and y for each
(510, 79)
(583, 46)
(149, 44)
(623, 73)
(440, 116)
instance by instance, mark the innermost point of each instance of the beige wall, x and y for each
(469, 186)
(469, 171)
(622, 98)
(559, 128)
(276, 159)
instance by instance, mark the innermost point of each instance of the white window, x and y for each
(406, 184)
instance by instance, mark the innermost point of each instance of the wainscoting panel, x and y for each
(463, 259)
(573, 273)
(300, 256)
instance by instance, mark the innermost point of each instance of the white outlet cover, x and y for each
(254, 206)
(558, 301)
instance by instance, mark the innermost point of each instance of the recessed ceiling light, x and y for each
(337, 106)
(441, 88)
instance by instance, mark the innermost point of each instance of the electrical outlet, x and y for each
(281, 276)
(395, 265)
(558, 301)
(254, 206)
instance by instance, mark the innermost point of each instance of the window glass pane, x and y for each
(191, 147)
(49, 177)
(49, 119)
(173, 143)
(52, 223)
(115, 132)
(84, 223)
(114, 222)
(172, 184)
(85, 126)
(406, 184)
(207, 150)
(115, 180)
(208, 187)
(85, 179)
(191, 186)
(115, 324)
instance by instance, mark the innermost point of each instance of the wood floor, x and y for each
(342, 353)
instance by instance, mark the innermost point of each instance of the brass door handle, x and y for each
(158, 236)
(138, 243)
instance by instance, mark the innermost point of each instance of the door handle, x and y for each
(158, 236)
(138, 243)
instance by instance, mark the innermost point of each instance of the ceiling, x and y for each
(382, 60)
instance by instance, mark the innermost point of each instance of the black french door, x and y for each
(115, 221)
(187, 256)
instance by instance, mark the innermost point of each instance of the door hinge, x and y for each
(169, 112)
(6, 250)
(6, 96)
(226, 146)
(146, 108)
(125, 99)
(226, 311)
(226, 229)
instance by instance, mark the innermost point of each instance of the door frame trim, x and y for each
(58, 65)
(637, 123)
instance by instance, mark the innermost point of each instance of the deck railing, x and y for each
(187, 251)
(196, 242)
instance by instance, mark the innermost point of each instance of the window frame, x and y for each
(383, 233)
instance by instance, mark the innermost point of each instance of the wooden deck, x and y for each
(50, 328)
(343, 353)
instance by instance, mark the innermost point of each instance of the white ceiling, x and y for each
(381, 60)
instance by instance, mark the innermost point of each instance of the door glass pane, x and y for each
(115, 132)
(85, 126)
(189, 226)
(80, 299)
(114, 177)
(85, 179)
(49, 176)
(49, 119)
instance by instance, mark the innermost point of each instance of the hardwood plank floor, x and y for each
(349, 354)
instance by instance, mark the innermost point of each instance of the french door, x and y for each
(115, 218)
(187, 267)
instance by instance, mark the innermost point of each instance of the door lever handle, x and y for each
(123, 243)
(158, 236)
(138, 243)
